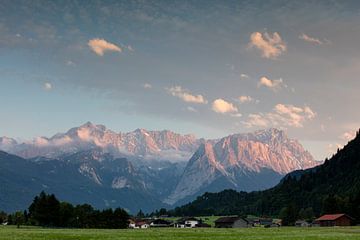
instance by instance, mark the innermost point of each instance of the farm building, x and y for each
(232, 222)
(187, 222)
(138, 223)
(302, 223)
(330, 220)
(160, 223)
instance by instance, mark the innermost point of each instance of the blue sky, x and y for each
(205, 67)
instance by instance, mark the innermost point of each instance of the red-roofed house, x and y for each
(330, 220)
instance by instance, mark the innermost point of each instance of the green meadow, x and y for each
(31, 233)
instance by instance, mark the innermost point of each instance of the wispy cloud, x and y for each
(70, 63)
(270, 46)
(244, 76)
(309, 39)
(100, 46)
(47, 86)
(282, 115)
(222, 106)
(347, 136)
(191, 109)
(186, 96)
(274, 85)
(147, 85)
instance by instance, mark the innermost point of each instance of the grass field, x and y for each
(348, 233)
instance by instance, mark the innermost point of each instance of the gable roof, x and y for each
(182, 220)
(332, 217)
(229, 219)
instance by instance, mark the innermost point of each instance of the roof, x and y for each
(161, 221)
(332, 217)
(182, 220)
(228, 219)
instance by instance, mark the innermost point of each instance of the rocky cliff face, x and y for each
(240, 158)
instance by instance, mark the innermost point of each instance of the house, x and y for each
(330, 220)
(302, 223)
(232, 222)
(142, 224)
(187, 222)
(160, 223)
(263, 222)
(138, 223)
(132, 223)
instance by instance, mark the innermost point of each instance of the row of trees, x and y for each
(46, 210)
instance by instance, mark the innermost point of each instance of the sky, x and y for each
(210, 68)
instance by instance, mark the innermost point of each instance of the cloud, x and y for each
(282, 115)
(309, 39)
(130, 48)
(275, 84)
(244, 76)
(147, 86)
(244, 99)
(191, 109)
(332, 148)
(100, 46)
(47, 86)
(270, 46)
(70, 63)
(222, 106)
(347, 136)
(256, 120)
(186, 96)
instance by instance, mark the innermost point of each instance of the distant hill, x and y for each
(333, 186)
(88, 177)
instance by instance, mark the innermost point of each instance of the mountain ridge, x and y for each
(333, 186)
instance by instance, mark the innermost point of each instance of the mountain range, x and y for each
(331, 187)
(143, 169)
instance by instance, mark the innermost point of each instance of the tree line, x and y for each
(47, 211)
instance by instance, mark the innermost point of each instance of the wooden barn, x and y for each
(232, 222)
(330, 220)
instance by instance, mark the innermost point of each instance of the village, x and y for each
(327, 220)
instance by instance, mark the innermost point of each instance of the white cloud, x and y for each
(244, 76)
(100, 46)
(147, 86)
(186, 96)
(47, 86)
(275, 84)
(270, 46)
(283, 115)
(222, 106)
(309, 39)
(244, 99)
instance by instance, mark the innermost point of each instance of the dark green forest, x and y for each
(332, 187)
(47, 211)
